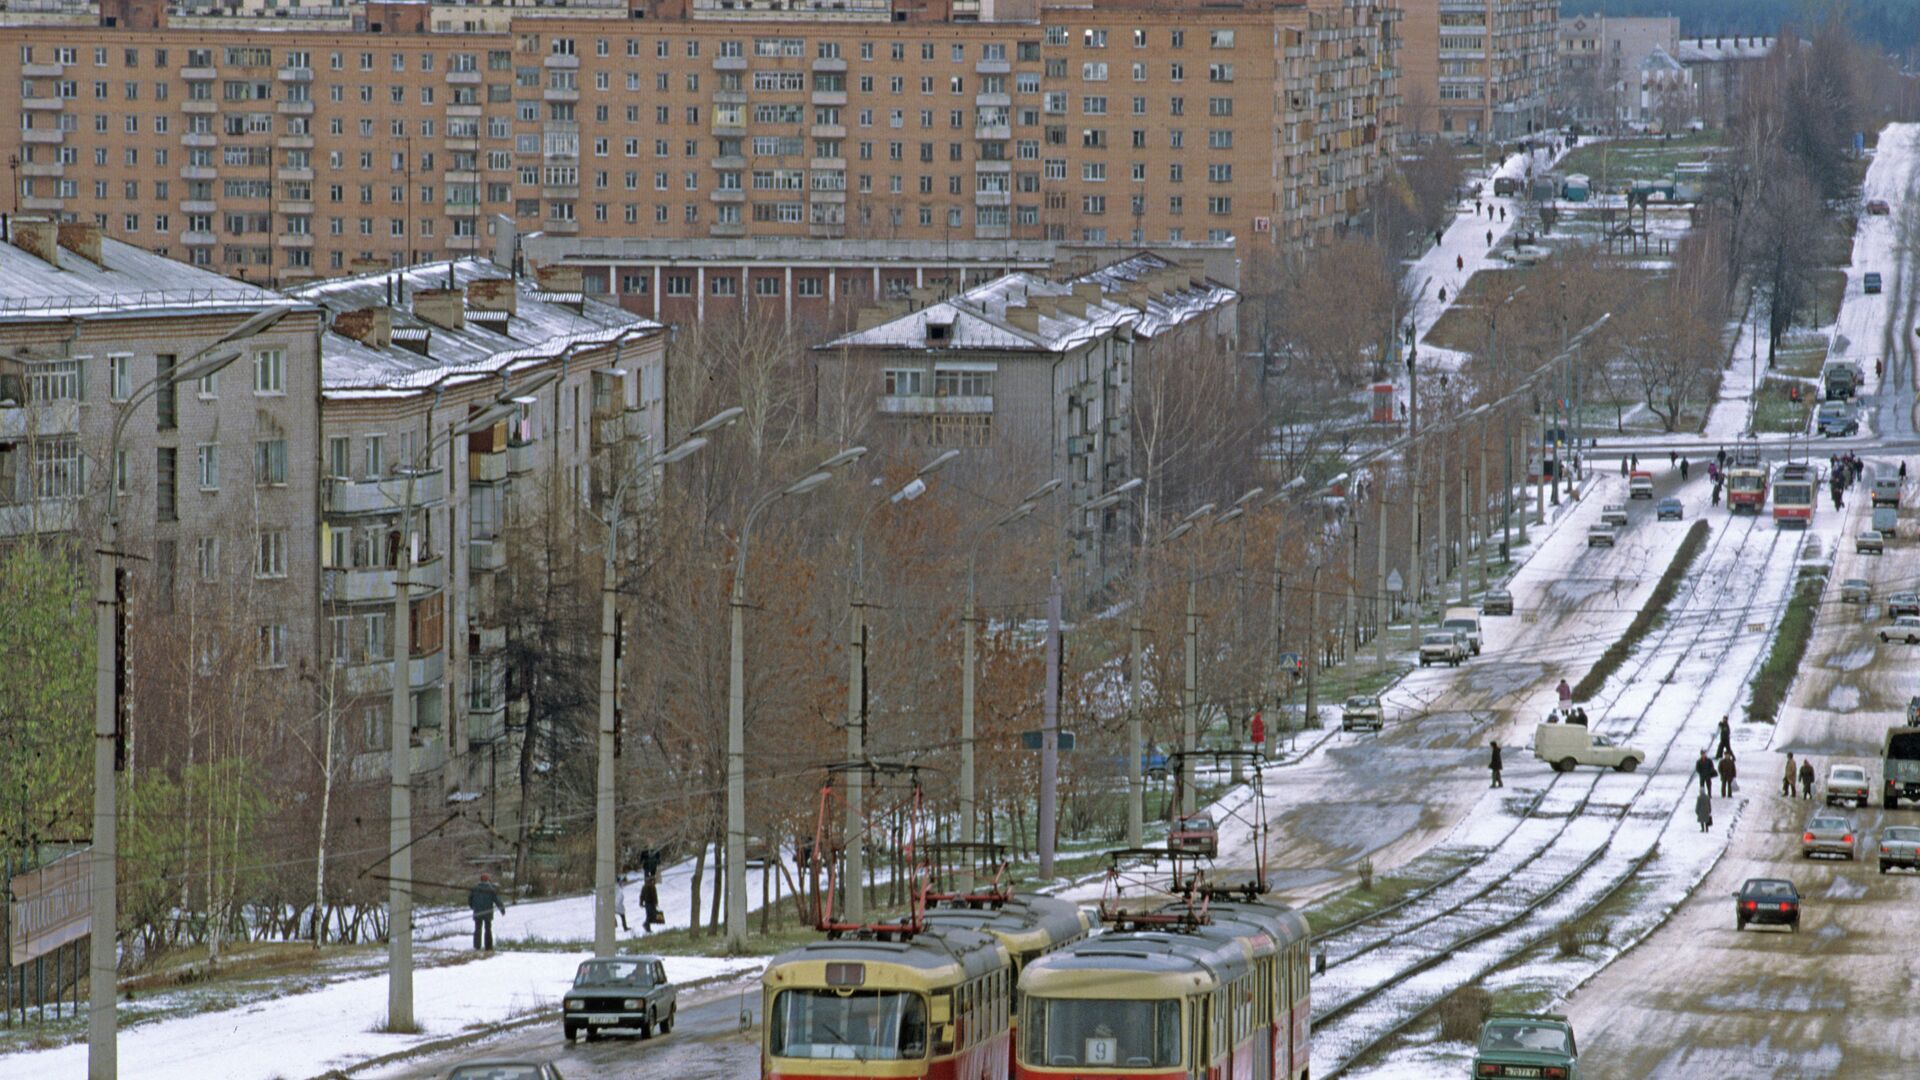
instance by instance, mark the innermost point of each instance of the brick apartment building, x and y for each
(1479, 68)
(290, 145)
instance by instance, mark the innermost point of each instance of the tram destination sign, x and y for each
(50, 907)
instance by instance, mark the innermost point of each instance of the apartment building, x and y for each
(409, 356)
(287, 148)
(1479, 68)
(1601, 63)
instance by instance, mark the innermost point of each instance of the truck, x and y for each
(1840, 380)
(619, 992)
(1467, 621)
(1564, 746)
(1900, 765)
(1886, 490)
(1886, 520)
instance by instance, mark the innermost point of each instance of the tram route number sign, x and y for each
(51, 907)
(1103, 1051)
(1030, 740)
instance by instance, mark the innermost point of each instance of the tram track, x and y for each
(1539, 859)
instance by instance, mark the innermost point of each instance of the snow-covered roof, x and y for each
(979, 319)
(1660, 60)
(132, 281)
(542, 326)
(1714, 50)
(1173, 297)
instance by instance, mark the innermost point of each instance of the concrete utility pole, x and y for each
(1446, 548)
(856, 832)
(1466, 528)
(1310, 717)
(1276, 643)
(1238, 512)
(736, 860)
(1350, 619)
(1540, 487)
(1190, 706)
(1486, 533)
(1380, 576)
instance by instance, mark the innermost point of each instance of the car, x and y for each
(1669, 510)
(1362, 711)
(1527, 1044)
(1877, 206)
(1767, 900)
(1905, 628)
(503, 1069)
(1870, 542)
(1872, 281)
(1442, 647)
(1886, 490)
(1602, 535)
(1613, 514)
(1903, 603)
(1847, 784)
(630, 992)
(1827, 834)
(1563, 746)
(1195, 834)
(1640, 486)
(1913, 710)
(1899, 846)
(1856, 591)
(1467, 622)
(1496, 602)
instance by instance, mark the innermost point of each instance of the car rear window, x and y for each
(1536, 1038)
(1769, 888)
(1904, 834)
(1849, 774)
(1829, 823)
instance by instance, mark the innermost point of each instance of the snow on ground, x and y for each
(309, 1034)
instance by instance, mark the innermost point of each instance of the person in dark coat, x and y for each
(1703, 810)
(484, 899)
(650, 906)
(1623, 468)
(1459, 262)
(1683, 468)
(1806, 778)
(1726, 735)
(1786, 782)
(1703, 768)
(1579, 716)
(1727, 773)
(1493, 764)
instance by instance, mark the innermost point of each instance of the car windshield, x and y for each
(1828, 824)
(1197, 824)
(1536, 1038)
(1079, 1032)
(614, 973)
(1439, 639)
(503, 1071)
(865, 1025)
(1849, 774)
(1906, 834)
(1855, 583)
(1769, 888)
(1499, 594)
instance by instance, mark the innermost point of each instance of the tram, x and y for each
(1795, 489)
(1746, 480)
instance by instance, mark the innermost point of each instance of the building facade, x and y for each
(1479, 68)
(280, 147)
(1601, 63)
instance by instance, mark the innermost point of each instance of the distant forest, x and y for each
(1893, 25)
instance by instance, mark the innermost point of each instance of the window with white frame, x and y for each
(56, 468)
(270, 556)
(206, 557)
(270, 371)
(905, 382)
(209, 466)
(120, 376)
(273, 645)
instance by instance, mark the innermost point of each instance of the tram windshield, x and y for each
(1120, 1034)
(865, 1025)
(1796, 493)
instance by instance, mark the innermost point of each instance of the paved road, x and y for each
(707, 1044)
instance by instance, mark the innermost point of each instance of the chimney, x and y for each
(369, 326)
(83, 239)
(1025, 318)
(555, 277)
(869, 317)
(445, 308)
(37, 236)
(1088, 291)
(493, 294)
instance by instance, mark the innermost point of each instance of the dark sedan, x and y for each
(1767, 900)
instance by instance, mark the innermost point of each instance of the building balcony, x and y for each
(463, 243)
(294, 240)
(200, 108)
(830, 64)
(992, 198)
(294, 108)
(992, 167)
(43, 103)
(486, 556)
(1001, 101)
(296, 74)
(729, 63)
(926, 404)
(488, 640)
(41, 71)
(385, 495)
(39, 420)
(49, 169)
(487, 468)
(294, 206)
(368, 585)
(198, 74)
(464, 78)
(829, 97)
(829, 131)
(728, 195)
(555, 94)
(39, 515)
(992, 67)
(198, 206)
(462, 142)
(991, 232)
(522, 457)
(461, 209)
(556, 60)
(202, 139)
(727, 229)
(466, 112)
(562, 226)
(197, 172)
(377, 677)
(198, 238)
(839, 197)
(728, 162)
(294, 174)
(485, 725)
(44, 136)
(294, 142)
(993, 132)
(729, 97)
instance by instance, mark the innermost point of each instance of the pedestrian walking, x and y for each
(1623, 468)
(1903, 474)
(1493, 764)
(1459, 262)
(1683, 469)
(620, 904)
(1723, 457)
(1786, 782)
(650, 905)
(1566, 695)
(1727, 773)
(1673, 458)
(1636, 463)
(1476, 206)
(1503, 213)
(1703, 768)
(1726, 735)
(1579, 717)
(1703, 810)
(1443, 294)
(1489, 237)
(1806, 778)
(1436, 237)
(1716, 493)
(483, 899)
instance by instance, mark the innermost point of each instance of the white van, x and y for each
(1467, 621)
(1565, 745)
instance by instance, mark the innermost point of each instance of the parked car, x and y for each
(1767, 900)
(1903, 603)
(1870, 542)
(1564, 746)
(1602, 535)
(630, 992)
(503, 1069)
(1856, 591)
(1877, 206)
(1828, 834)
(1362, 711)
(1847, 783)
(1872, 281)
(1527, 1044)
(1442, 647)
(1905, 628)
(1613, 514)
(1195, 834)
(1669, 510)
(1496, 602)
(1900, 846)
(1640, 486)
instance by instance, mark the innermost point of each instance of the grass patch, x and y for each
(1610, 162)
(1801, 355)
(1463, 326)
(1776, 411)
(1352, 903)
(1830, 287)
(1789, 646)
(1643, 623)
(1462, 1013)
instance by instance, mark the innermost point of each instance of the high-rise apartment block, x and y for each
(286, 145)
(1479, 68)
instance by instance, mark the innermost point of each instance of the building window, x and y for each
(270, 462)
(270, 555)
(766, 286)
(209, 466)
(206, 557)
(270, 371)
(166, 484)
(807, 286)
(905, 382)
(120, 377)
(273, 645)
(723, 285)
(679, 285)
(56, 468)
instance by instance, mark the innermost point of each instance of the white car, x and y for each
(1905, 628)
(1847, 784)
(1601, 536)
(1447, 647)
(1613, 514)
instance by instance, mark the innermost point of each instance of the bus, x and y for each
(1795, 488)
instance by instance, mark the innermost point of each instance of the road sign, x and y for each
(51, 907)
(1394, 584)
(1030, 740)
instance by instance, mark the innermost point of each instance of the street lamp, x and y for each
(605, 860)
(737, 696)
(856, 906)
(969, 628)
(103, 957)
